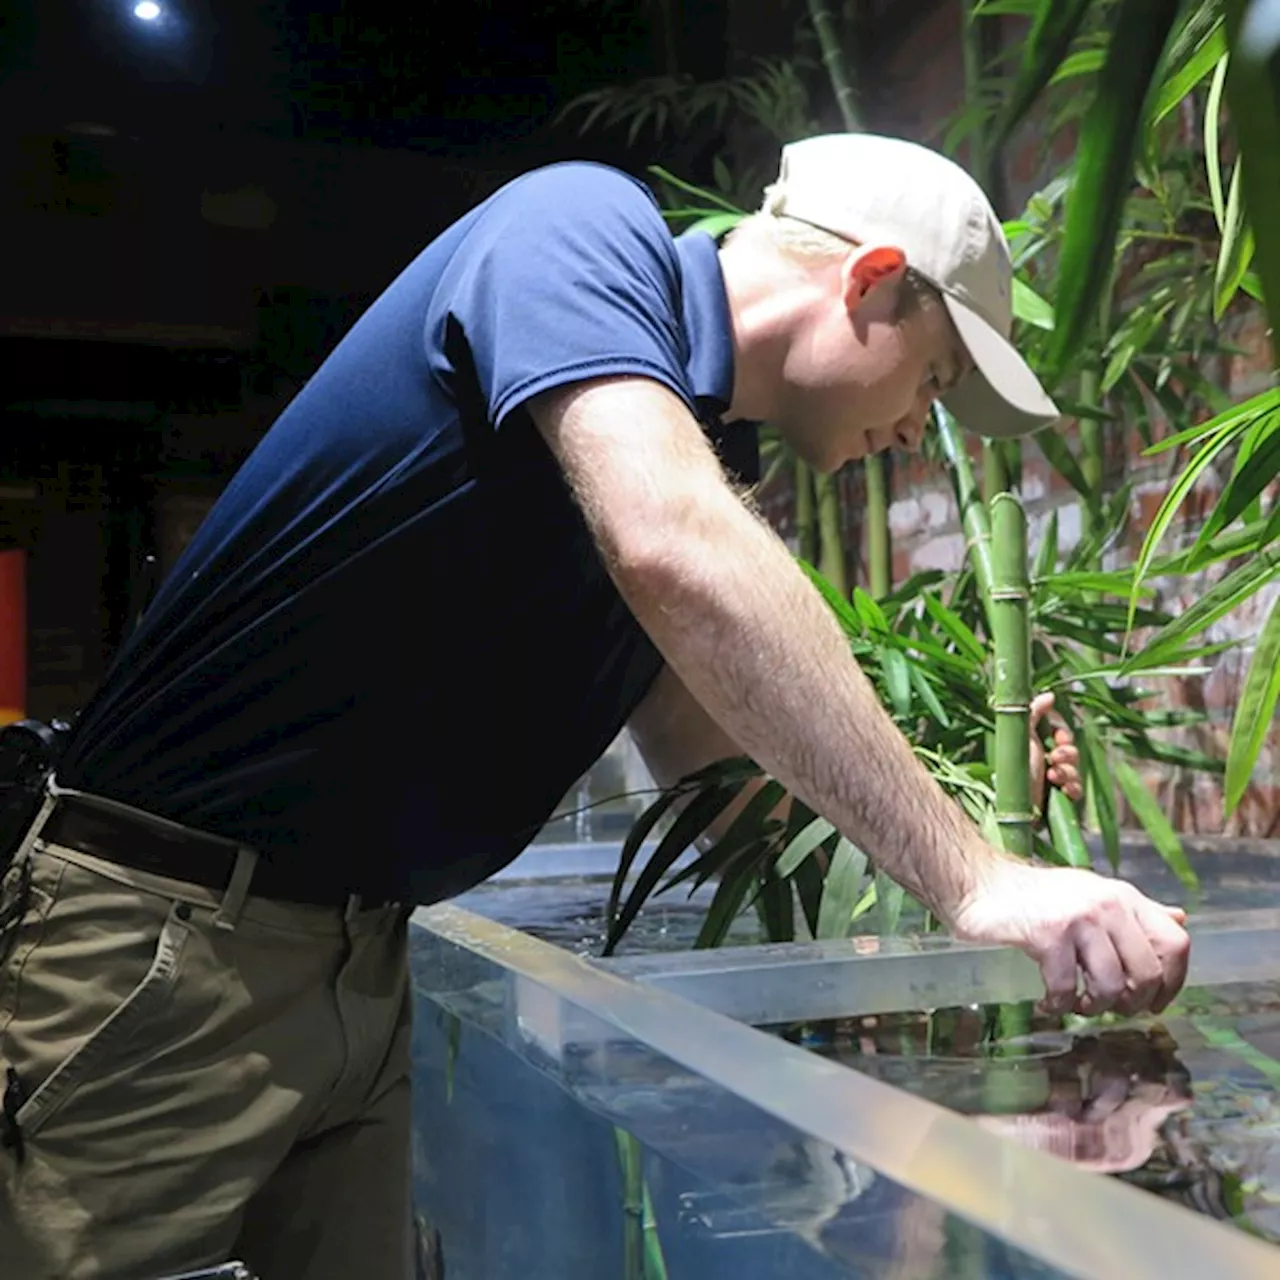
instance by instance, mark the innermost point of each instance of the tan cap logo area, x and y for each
(877, 190)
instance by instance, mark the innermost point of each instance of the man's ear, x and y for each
(868, 268)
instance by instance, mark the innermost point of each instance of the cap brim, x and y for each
(1001, 397)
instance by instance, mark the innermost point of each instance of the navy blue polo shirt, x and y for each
(392, 647)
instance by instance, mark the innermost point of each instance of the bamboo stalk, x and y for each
(1012, 682)
(973, 513)
(806, 519)
(642, 1249)
(632, 1205)
(879, 553)
(876, 519)
(995, 474)
(833, 59)
(1092, 458)
(831, 562)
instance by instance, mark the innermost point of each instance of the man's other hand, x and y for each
(1060, 767)
(1130, 952)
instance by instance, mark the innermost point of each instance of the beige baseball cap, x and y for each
(876, 190)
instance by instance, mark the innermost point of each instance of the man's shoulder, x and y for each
(583, 192)
(586, 175)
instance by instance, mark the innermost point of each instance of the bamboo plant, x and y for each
(1144, 62)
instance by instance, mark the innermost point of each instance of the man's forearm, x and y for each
(748, 635)
(760, 650)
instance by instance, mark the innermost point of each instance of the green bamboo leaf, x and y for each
(716, 224)
(845, 613)
(809, 883)
(1148, 811)
(1104, 169)
(1053, 30)
(1098, 778)
(1166, 753)
(691, 822)
(928, 697)
(712, 197)
(1230, 423)
(869, 611)
(1064, 826)
(1081, 633)
(1189, 71)
(1257, 466)
(1017, 8)
(730, 895)
(897, 681)
(751, 825)
(1047, 556)
(631, 848)
(1253, 88)
(774, 902)
(1083, 62)
(1088, 412)
(844, 880)
(1064, 462)
(1212, 143)
(955, 627)
(1030, 307)
(1218, 601)
(1117, 582)
(1178, 492)
(1235, 253)
(1255, 711)
(802, 845)
(890, 897)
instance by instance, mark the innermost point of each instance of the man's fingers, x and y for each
(1059, 970)
(1041, 705)
(1143, 971)
(1172, 947)
(1103, 972)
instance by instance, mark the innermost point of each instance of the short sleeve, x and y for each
(569, 274)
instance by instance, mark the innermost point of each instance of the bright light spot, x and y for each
(147, 10)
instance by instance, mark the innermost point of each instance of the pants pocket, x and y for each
(97, 1050)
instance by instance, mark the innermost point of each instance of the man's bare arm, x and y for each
(746, 633)
(676, 737)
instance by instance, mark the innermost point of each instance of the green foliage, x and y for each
(1125, 262)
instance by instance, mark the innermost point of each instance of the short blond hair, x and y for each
(808, 243)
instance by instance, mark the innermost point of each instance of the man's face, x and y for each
(859, 379)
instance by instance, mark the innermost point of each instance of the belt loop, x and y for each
(352, 908)
(42, 816)
(228, 914)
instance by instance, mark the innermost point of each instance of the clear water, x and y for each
(570, 912)
(1186, 1106)
(517, 1174)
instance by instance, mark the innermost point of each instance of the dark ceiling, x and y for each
(375, 72)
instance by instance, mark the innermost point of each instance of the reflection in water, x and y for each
(1187, 1107)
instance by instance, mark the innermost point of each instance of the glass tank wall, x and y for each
(579, 1119)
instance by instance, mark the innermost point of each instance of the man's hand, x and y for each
(1131, 951)
(1061, 768)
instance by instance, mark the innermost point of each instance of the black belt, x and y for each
(183, 854)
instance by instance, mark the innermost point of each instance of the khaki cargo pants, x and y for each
(187, 1092)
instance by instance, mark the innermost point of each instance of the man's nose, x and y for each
(908, 433)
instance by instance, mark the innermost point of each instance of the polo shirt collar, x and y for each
(706, 320)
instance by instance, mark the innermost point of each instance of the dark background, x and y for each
(193, 211)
